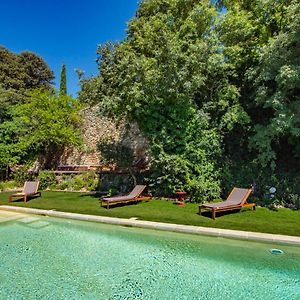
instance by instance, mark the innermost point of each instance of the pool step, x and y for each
(6, 216)
(33, 222)
(23, 219)
(28, 220)
(8, 219)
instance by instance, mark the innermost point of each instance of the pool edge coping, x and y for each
(218, 232)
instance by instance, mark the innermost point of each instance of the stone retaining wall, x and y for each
(96, 127)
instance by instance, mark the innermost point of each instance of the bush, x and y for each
(87, 180)
(21, 175)
(175, 172)
(47, 179)
(117, 183)
(91, 180)
(294, 201)
(65, 185)
(8, 185)
(78, 183)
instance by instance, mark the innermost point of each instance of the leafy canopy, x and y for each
(213, 85)
(44, 124)
(23, 71)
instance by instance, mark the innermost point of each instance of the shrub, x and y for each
(87, 180)
(8, 185)
(294, 201)
(47, 179)
(78, 182)
(21, 175)
(176, 172)
(65, 185)
(91, 180)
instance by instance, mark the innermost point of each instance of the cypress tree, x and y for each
(63, 81)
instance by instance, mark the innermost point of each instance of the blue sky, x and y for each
(64, 31)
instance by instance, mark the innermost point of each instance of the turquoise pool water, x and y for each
(48, 258)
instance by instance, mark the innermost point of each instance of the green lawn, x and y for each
(283, 221)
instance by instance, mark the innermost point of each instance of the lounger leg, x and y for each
(213, 214)
(10, 199)
(25, 199)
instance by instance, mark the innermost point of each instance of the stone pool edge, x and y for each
(227, 233)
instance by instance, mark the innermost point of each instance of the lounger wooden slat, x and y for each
(237, 199)
(134, 196)
(30, 189)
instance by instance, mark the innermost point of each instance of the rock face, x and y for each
(95, 128)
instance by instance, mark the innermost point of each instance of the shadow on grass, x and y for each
(208, 214)
(22, 199)
(132, 203)
(94, 194)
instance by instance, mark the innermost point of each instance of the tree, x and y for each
(10, 70)
(116, 153)
(259, 42)
(63, 81)
(44, 125)
(277, 82)
(23, 71)
(36, 72)
(152, 78)
(20, 73)
(34, 121)
(213, 85)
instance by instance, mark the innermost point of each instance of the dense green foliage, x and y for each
(214, 86)
(34, 121)
(20, 73)
(63, 81)
(277, 80)
(115, 153)
(87, 181)
(43, 125)
(261, 40)
(23, 71)
(151, 79)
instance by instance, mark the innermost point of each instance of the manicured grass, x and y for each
(283, 221)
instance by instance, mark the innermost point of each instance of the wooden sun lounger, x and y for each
(237, 199)
(134, 196)
(30, 189)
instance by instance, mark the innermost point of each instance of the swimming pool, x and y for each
(49, 258)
